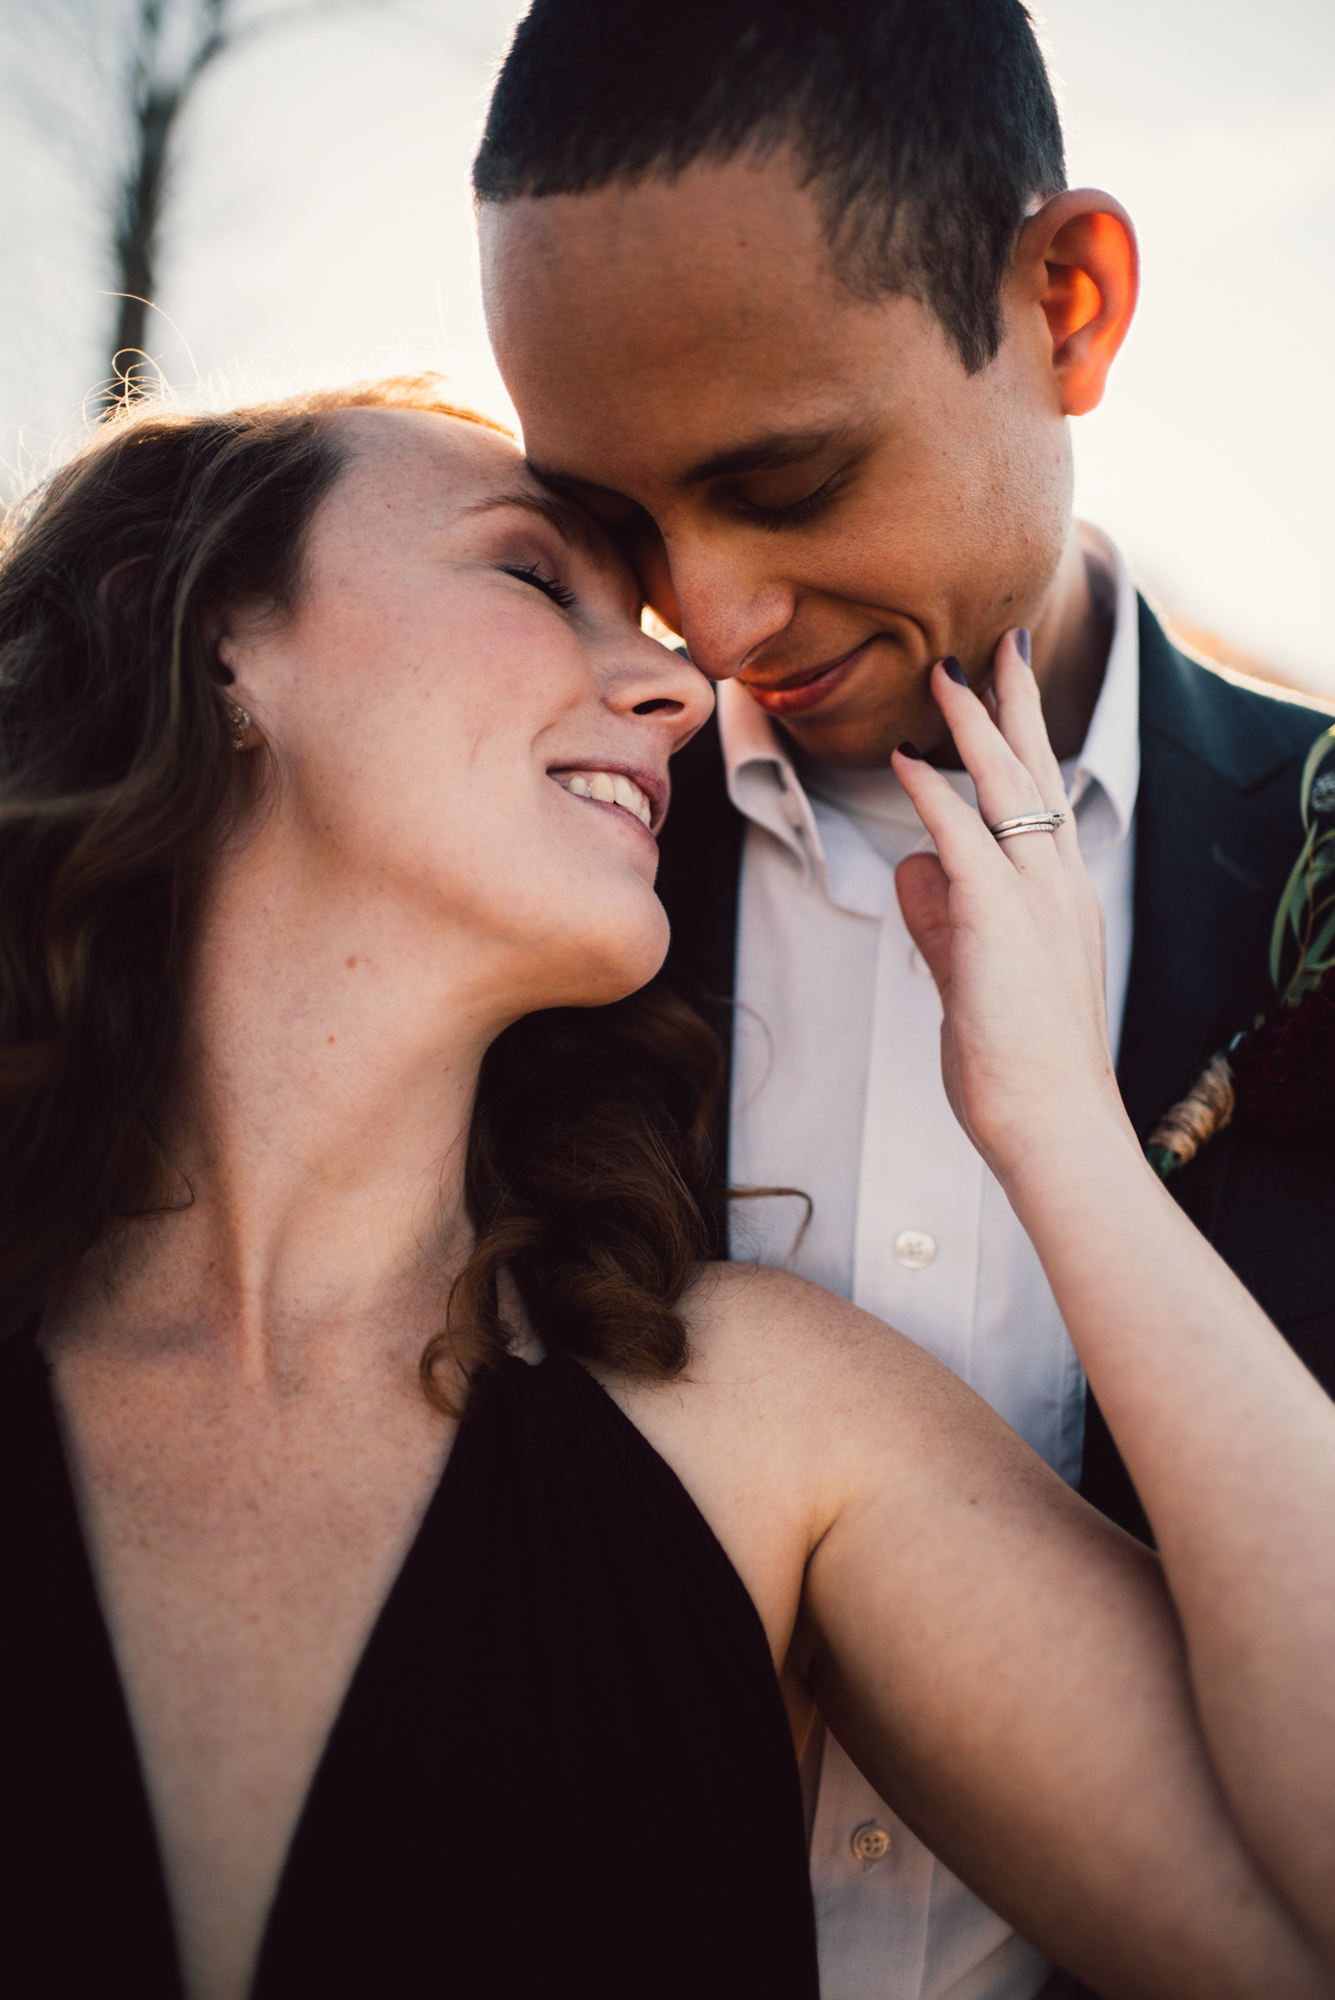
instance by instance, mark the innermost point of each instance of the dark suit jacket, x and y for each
(1217, 831)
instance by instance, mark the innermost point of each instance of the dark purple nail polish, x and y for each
(1022, 642)
(910, 750)
(956, 671)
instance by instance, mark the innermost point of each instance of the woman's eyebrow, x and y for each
(569, 521)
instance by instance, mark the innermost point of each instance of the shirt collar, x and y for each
(1101, 781)
(762, 780)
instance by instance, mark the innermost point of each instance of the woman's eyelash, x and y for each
(799, 512)
(550, 586)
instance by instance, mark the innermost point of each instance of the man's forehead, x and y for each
(758, 210)
(674, 279)
(715, 377)
(646, 359)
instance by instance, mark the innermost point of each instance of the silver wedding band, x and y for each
(1044, 822)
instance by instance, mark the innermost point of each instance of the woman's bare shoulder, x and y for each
(808, 1354)
(734, 1301)
(791, 1322)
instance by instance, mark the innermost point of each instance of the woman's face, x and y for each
(471, 732)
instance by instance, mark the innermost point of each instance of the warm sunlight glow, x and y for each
(320, 226)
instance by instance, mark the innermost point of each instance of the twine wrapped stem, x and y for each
(1205, 1110)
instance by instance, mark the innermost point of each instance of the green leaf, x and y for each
(1323, 923)
(1315, 961)
(1291, 903)
(1316, 757)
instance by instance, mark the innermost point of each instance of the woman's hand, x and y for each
(1229, 1441)
(1011, 929)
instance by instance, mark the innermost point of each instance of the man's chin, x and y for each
(857, 743)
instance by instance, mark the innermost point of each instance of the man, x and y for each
(793, 292)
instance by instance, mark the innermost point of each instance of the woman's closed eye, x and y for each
(550, 586)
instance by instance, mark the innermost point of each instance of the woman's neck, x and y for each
(318, 1136)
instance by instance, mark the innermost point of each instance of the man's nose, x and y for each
(729, 608)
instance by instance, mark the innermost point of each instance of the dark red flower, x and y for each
(1284, 1069)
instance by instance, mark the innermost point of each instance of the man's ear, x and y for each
(1078, 256)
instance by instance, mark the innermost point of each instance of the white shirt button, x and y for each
(870, 1842)
(914, 1248)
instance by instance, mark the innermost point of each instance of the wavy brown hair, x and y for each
(588, 1159)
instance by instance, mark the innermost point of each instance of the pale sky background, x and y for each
(321, 228)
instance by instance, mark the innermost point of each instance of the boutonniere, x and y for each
(1282, 1068)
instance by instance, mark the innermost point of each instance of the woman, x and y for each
(333, 759)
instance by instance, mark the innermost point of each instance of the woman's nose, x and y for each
(663, 682)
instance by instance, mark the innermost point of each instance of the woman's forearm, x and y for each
(1229, 1440)
(1231, 1444)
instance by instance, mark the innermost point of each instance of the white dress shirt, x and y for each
(837, 1090)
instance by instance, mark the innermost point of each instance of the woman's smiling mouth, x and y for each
(608, 787)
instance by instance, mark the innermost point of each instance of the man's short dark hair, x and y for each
(926, 127)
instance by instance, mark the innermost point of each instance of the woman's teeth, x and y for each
(611, 789)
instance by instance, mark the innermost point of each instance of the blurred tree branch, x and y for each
(173, 47)
(157, 102)
(97, 107)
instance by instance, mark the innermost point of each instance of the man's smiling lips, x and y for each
(808, 689)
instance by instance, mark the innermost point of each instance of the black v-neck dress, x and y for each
(562, 1767)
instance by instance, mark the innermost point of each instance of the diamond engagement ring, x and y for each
(1044, 822)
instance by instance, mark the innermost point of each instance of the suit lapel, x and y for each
(1216, 831)
(699, 872)
(700, 857)
(1217, 828)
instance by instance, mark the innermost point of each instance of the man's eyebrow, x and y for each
(570, 521)
(766, 453)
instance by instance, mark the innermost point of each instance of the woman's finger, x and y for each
(1019, 717)
(1006, 788)
(961, 840)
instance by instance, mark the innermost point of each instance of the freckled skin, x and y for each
(642, 331)
(238, 1374)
